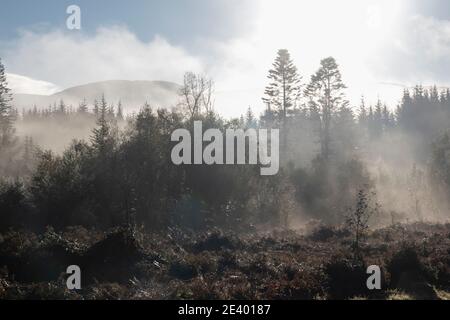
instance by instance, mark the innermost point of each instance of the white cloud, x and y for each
(373, 42)
(379, 48)
(22, 84)
(418, 52)
(311, 31)
(69, 59)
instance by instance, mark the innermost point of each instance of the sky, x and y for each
(381, 46)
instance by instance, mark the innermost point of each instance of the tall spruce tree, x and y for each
(362, 115)
(119, 115)
(6, 111)
(250, 120)
(284, 88)
(102, 139)
(378, 120)
(283, 91)
(62, 108)
(82, 107)
(96, 108)
(326, 94)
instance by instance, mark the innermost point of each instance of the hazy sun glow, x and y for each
(312, 30)
(327, 22)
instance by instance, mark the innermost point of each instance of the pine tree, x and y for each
(62, 107)
(362, 115)
(284, 88)
(267, 119)
(283, 91)
(6, 112)
(111, 111)
(28, 155)
(82, 107)
(250, 120)
(120, 112)
(378, 119)
(96, 109)
(326, 94)
(102, 139)
(434, 94)
(103, 108)
(357, 220)
(344, 131)
(386, 118)
(35, 112)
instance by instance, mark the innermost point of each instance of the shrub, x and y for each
(183, 270)
(15, 210)
(113, 258)
(214, 241)
(323, 234)
(345, 279)
(406, 260)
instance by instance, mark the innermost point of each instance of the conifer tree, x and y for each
(111, 111)
(386, 118)
(363, 116)
(378, 119)
(250, 120)
(62, 109)
(326, 94)
(82, 107)
(119, 112)
(96, 109)
(284, 89)
(6, 111)
(102, 139)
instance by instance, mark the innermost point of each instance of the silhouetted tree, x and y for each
(82, 107)
(326, 94)
(6, 112)
(119, 112)
(196, 94)
(102, 139)
(283, 91)
(358, 219)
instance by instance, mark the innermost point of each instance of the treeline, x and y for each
(55, 126)
(129, 178)
(62, 111)
(126, 176)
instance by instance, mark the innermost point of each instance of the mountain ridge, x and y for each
(133, 94)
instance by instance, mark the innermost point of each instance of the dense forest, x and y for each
(343, 167)
(122, 172)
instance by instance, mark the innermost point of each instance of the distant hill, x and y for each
(132, 94)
